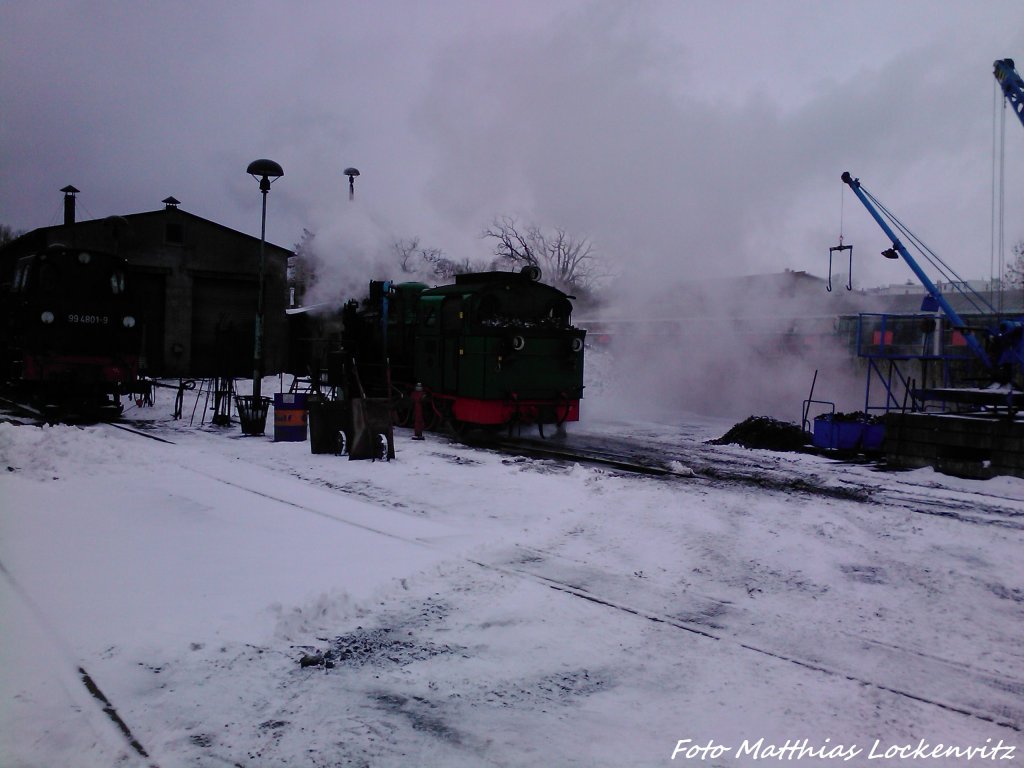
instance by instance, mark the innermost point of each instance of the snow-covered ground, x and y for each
(458, 607)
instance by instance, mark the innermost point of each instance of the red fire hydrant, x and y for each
(417, 412)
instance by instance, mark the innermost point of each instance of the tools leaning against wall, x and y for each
(343, 420)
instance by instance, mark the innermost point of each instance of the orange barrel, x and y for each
(289, 417)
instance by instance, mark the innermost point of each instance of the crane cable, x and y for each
(841, 247)
(974, 298)
(842, 206)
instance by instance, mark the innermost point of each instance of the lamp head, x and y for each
(266, 172)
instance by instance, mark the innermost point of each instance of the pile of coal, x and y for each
(767, 433)
(856, 417)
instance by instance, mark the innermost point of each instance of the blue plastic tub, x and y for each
(847, 435)
(874, 437)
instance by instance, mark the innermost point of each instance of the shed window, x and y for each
(174, 233)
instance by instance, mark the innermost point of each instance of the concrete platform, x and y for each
(965, 445)
(1005, 399)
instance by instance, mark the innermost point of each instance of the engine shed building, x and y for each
(195, 284)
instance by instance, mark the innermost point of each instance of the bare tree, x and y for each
(1014, 276)
(566, 261)
(303, 267)
(428, 263)
(7, 234)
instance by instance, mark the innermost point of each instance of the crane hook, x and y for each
(840, 248)
(849, 275)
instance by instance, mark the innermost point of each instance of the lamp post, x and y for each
(266, 172)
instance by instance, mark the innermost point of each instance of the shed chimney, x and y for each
(69, 204)
(170, 202)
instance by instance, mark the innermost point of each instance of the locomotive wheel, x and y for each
(401, 408)
(341, 443)
(447, 420)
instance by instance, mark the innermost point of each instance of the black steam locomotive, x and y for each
(491, 350)
(68, 333)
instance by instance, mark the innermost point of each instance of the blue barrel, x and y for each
(289, 417)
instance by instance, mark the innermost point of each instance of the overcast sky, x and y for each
(685, 139)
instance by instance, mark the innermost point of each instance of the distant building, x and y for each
(195, 282)
(758, 343)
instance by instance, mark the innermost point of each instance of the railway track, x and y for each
(893, 668)
(699, 463)
(890, 669)
(634, 459)
(696, 462)
(22, 413)
(12, 409)
(693, 461)
(62, 648)
(16, 410)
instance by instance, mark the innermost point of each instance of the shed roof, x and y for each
(39, 237)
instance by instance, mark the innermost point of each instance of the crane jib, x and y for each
(1012, 84)
(933, 291)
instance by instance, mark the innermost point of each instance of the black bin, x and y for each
(252, 413)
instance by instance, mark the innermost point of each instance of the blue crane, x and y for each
(1008, 348)
(1012, 85)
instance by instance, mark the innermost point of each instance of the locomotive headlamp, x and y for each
(518, 342)
(577, 344)
(46, 317)
(84, 257)
(129, 321)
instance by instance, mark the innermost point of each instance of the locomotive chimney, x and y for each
(69, 204)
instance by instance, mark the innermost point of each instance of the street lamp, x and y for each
(266, 172)
(351, 173)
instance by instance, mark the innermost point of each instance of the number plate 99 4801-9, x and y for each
(88, 319)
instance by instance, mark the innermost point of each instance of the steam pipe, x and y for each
(933, 291)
